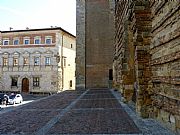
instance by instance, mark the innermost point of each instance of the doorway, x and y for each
(25, 85)
(110, 78)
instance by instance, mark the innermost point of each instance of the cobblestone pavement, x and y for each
(78, 112)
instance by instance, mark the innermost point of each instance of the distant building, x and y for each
(37, 60)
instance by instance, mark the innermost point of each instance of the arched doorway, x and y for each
(25, 85)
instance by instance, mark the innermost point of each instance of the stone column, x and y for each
(128, 71)
(142, 57)
(124, 49)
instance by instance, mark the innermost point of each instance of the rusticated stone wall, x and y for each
(147, 57)
(165, 61)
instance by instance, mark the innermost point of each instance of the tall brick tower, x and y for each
(95, 34)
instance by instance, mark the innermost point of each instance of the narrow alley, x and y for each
(95, 111)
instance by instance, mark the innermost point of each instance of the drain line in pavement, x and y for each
(53, 121)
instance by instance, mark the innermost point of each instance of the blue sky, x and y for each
(20, 14)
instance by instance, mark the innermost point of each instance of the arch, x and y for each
(26, 53)
(15, 54)
(48, 52)
(5, 54)
(37, 52)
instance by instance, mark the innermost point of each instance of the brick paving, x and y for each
(96, 112)
(93, 122)
(77, 112)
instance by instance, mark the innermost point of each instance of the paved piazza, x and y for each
(93, 111)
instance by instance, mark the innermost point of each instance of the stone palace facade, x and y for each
(37, 60)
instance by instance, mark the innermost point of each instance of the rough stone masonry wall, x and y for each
(131, 61)
(148, 36)
(165, 61)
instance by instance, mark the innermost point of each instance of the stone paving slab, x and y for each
(55, 103)
(30, 118)
(98, 96)
(43, 130)
(59, 101)
(94, 113)
(99, 91)
(105, 121)
(24, 121)
(97, 103)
